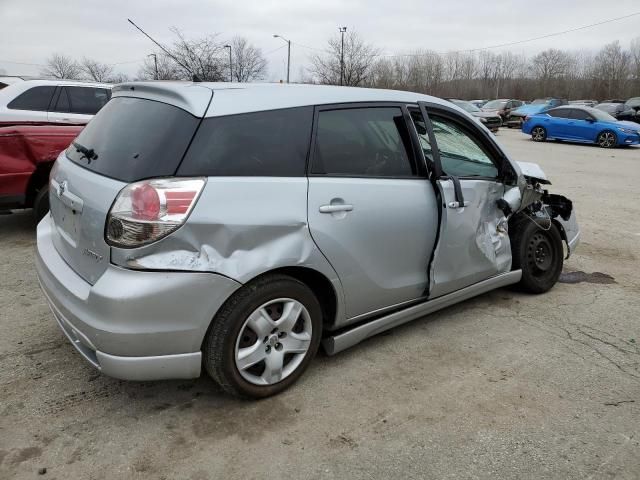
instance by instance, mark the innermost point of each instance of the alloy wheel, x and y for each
(538, 134)
(273, 341)
(606, 140)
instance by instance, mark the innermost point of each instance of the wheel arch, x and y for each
(327, 291)
(320, 285)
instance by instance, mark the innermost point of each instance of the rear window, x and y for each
(135, 139)
(273, 143)
(36, 99)
(87, 100)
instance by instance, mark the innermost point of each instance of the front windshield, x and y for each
(540, 101)
(468, 106)
(496, 104)
(600, 115)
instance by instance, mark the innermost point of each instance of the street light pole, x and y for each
(155, 62)
(230, 64)
(342, 30)
(288, 54)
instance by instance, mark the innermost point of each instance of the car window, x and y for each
(460, 153)
(268, 144)
(577, 114)
(36, 98)
(370, 142)
(134, 139)
(62, 104)
(87, 100)
(560, 113)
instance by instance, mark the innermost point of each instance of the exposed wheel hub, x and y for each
(540, 253)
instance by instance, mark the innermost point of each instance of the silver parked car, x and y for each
(239, 227)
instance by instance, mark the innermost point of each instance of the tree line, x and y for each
(205, 57)
(611, 72)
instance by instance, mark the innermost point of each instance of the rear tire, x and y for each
(538, 252)
(264, 337)
(41, 203)
(607, 139)
(538, 134)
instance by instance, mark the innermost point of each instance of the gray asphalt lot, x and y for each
(503, 386)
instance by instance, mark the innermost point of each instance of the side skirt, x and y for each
(337, 343)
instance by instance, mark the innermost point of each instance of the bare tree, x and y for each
(549, 66)
(248, 62)
(61, 66)
(96, 71)
(167, 69)
(358, 61)
(203, 57)
(634, 51)
(612, 69)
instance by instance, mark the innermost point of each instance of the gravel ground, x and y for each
(502, 386)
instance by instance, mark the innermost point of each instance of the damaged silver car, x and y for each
(239, 227)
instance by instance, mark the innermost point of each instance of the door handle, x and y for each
(341, 207)
(458, 204)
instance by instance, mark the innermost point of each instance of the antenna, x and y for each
(195, 77)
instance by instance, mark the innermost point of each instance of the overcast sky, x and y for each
(31, 30)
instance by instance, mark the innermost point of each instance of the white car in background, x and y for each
(52, 101)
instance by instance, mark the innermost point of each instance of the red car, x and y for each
(27, 153)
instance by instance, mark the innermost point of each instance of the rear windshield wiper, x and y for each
(87, 153)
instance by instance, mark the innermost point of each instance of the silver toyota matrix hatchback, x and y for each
(238, 227)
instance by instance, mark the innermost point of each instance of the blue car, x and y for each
(581, 124)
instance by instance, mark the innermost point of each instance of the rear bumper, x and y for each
(132, 325)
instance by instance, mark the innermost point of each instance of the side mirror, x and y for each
(590, 120)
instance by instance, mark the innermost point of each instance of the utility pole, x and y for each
(155, 63)
(342, 30)
(288, 54)
(230, 63)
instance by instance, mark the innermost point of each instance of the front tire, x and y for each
(264, 337)
(538, 251)
(538, 134)
(607, 139)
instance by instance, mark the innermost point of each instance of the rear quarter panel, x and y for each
(241, 227)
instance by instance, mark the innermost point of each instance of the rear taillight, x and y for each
(147, 211)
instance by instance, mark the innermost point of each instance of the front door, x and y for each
(372, 211)
(473, 244)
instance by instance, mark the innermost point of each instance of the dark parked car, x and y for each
(27, 153)
(490, 120)
(502, 107)
(621, 111)
(539, 105)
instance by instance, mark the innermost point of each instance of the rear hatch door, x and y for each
(130, 139)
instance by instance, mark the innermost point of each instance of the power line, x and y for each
(518, 42)
(274, 50)
(23, 63)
